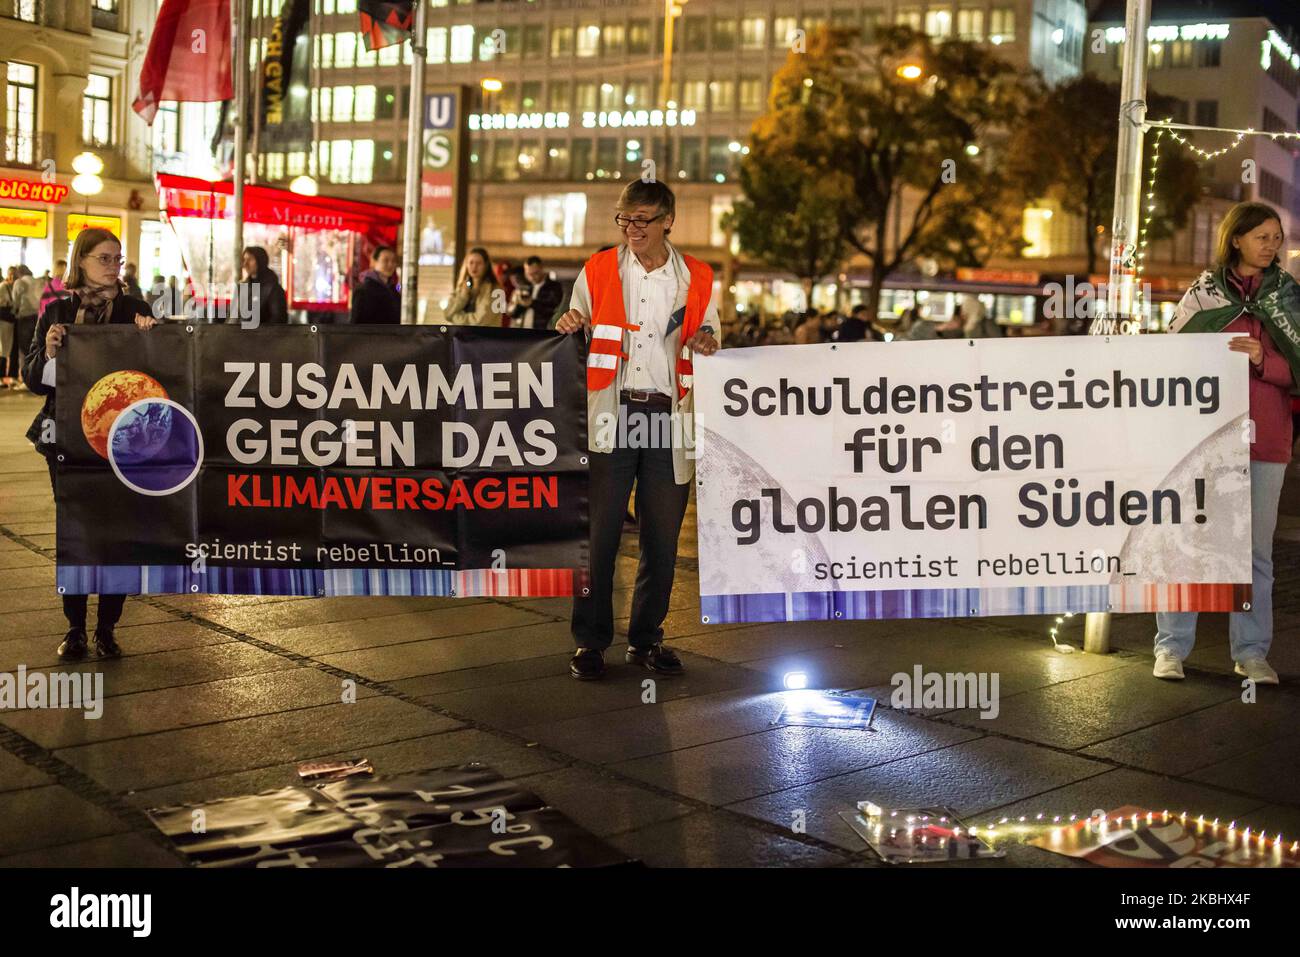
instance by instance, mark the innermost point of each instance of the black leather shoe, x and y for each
(106, 645)
(587, 663)
(656, 658)
(74, 645)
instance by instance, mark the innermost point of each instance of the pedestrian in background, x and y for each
(54, 288)
(472, 301)
(272, 306)
(97, 296)
(132, 282)
(7, 318)
(376, 301)
(1248, 292)
(27, 307)
(809, 331)
(536, 297)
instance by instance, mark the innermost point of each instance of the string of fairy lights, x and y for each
(1009, 829)
(1170, 128)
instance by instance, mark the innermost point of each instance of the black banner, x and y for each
(286, 118)
(339, 460)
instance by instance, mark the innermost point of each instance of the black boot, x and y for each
(106, 645)
(73, 647)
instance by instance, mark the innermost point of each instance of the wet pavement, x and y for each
(220, 696)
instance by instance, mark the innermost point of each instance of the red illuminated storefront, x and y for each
(318, 244)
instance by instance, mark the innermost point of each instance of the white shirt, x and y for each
(648, 302)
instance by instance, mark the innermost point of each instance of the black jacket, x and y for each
(124, 310)
(376, 303)
(272, 304)
(545, 303)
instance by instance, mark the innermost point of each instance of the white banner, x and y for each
(973, 477)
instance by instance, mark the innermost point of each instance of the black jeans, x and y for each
(74, 606)
(24, 329)
(660, 508)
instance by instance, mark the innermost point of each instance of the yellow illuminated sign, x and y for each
(33, 223)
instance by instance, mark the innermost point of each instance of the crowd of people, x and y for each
(969, 320)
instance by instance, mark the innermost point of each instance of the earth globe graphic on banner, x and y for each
(152, 442)
(106, 400)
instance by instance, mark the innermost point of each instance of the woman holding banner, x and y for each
(1251, 294)
(97, 296)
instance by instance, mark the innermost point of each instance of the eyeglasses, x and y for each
(623, 222)
(107, 260)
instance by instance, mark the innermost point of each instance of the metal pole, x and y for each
(414, 162)
(1124, 226)
(239, 40)
(666, 86)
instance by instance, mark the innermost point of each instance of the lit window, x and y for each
(1002, 25)
(751, 94)
(342, 111)
(462, 43)
(562, 41)
(783, 30)
(910, 17)
(437, 42)
(753, 33)
(588, 39)
(345, 50)
(363, 104)
(555, 219)
(1038, 233)
(97, 111)
(391, 55)
(970, 25)
(722, 95)
(693, 92)
(938, 22)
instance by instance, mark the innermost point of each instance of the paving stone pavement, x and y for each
(224, 695)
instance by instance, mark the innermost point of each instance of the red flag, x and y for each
(189, 56)
(384, 22)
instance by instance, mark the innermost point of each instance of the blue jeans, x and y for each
(1250, 633)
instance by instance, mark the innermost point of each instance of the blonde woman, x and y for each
(474, 301)
(97, 296)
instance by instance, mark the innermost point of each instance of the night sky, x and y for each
(1281, 12)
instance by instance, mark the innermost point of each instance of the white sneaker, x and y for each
(1169, 667)
(1257, 670)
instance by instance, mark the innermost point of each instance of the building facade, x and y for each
(575, 102)
(68, 70)
(1236, 73)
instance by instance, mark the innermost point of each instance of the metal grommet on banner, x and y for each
(586, 591)
(453, 593)
(194, 588)
(704, 619)
(443, 328)
(62, 590)
(60, 457)
(1245, 606)
(583, 460)
(972, 343)
(839, 614)
(313, 328)
(189, 329)
(832, 347)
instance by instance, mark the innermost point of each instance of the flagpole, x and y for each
(414, 162)
(239, 40)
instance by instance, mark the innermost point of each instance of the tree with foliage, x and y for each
(1067, 152)
(884, 134)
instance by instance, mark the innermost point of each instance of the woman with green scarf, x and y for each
(1251, 294)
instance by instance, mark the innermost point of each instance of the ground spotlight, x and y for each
(795, 680)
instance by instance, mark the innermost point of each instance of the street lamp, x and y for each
(489, 85)
(87, 183)
(303, 185)
(910, 71)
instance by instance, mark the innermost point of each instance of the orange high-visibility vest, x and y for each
(609, 319)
